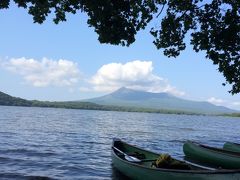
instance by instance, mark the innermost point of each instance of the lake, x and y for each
(76, 144)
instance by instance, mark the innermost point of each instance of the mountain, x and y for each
(128, 100)
(133, 98)
(8, 100)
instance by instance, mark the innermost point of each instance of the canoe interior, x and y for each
(135, 152)
(147, 157)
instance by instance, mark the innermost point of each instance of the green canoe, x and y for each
(137, 163)
(212, 156)
(229, 146)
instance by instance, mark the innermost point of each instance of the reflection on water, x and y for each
(76, 144)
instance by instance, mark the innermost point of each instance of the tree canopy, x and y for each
(213, 25)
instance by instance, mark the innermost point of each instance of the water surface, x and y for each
(76, 144)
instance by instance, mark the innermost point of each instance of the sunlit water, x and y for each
(76, 144)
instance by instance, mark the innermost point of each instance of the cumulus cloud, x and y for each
(135, 75)
(45, 72)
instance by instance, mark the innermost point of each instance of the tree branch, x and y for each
(165, 2)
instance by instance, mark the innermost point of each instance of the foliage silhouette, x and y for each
(214, 25)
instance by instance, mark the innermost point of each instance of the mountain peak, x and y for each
(128, 90)
(135, 95)
(136, 98)
(123, 90)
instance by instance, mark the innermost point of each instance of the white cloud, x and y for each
(45, 72)
(236, 104)
(216, 101)
(135, 75)
(226, 103)
(85, 89)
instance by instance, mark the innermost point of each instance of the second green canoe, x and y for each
(212, 156)
(229, 146)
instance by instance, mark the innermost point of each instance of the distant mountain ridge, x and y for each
(128, 100)
(7, 100)
(134, 98)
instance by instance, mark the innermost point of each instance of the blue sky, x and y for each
(66, 62)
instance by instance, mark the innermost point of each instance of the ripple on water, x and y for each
(48, 143)
(16, 176)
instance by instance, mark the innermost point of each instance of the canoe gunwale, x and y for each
(203, 171)
(213, 149)
(237, 144)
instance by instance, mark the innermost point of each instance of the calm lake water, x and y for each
(76, 144)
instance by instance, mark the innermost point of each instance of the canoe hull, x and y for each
(232, 147)
(138, 172)
(213, 156)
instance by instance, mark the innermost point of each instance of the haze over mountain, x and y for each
(127, 100)
(134, 98)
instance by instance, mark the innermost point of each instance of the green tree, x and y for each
(214, 25)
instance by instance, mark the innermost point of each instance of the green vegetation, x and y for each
(7, 100)
(232, 115)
